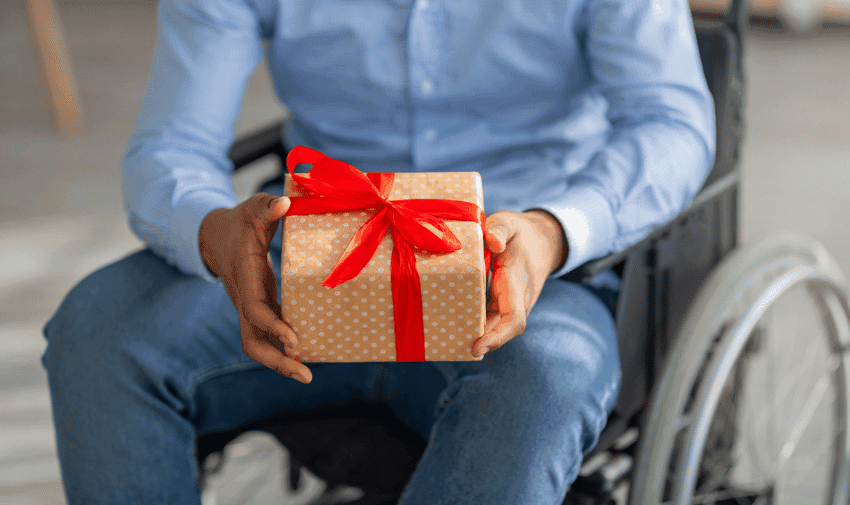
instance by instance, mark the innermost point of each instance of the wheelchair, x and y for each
(735, 359)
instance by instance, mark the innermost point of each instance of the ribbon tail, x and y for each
(360, 250)
(407, 303)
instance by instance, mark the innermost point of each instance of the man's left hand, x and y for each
(527, 247)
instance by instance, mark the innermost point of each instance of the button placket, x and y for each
(425, 46)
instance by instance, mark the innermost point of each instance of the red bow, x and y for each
(340, 187)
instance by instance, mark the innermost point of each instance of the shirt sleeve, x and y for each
(176, 169)
(644, 59)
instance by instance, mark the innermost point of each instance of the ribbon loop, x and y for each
(332, 178)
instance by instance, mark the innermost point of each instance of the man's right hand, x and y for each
(235, 247)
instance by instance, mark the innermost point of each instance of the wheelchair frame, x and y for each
(662, 275)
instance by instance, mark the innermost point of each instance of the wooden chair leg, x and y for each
(61, 85)
(837, 11)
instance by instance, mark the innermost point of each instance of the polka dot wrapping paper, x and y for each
(354, 321)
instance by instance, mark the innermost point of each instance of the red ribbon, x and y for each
(339, 187)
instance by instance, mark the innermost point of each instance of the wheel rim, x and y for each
(722, 302)
(772, 484)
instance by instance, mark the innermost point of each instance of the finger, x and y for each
(271, 286)
(493, 319)
(492, 305)
(505, 327)
(258, 314)
(265, 353)
(477, 350)
(510, 303)
(259, 292)
(495, 244)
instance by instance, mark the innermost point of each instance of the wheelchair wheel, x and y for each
(752, 404)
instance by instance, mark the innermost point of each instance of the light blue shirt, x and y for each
(596, 111)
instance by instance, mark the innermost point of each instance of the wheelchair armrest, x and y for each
(258, 144)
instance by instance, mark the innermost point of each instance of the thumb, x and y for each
(263, 212)
(497, 232)
(279, 207)
(270, 208)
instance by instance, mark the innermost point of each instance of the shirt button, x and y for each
(421, 4)
(429, 134)
(426, 86)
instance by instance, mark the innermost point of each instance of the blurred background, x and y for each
(62, 216)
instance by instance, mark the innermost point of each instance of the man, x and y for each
(590, 123)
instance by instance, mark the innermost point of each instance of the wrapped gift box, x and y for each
(354, 321)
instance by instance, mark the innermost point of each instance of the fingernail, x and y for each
(501, 241)
(482, 352)
(287, 339)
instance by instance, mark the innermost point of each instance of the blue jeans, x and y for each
(142, 359)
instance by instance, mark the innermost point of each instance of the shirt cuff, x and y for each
(189, 212)
(588, 222)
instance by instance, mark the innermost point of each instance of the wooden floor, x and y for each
(61, 213)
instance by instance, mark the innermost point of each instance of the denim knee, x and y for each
(112, 318)
(75, 333)
(142, 320)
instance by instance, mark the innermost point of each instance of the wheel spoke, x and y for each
(754, 455)
(812, 402)
(771, 384)
(794, 382)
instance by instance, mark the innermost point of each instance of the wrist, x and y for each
(549, 227)
(210, 236)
